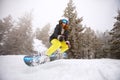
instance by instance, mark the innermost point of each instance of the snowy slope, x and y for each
(13, 68)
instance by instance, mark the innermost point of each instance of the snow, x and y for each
(39, 46)
(12, 67)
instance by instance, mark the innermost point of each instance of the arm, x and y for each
(66, 35)
(56, 31)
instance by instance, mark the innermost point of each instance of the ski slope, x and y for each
(13, 68)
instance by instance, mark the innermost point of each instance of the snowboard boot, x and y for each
(53, 57)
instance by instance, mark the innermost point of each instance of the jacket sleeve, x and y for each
(56, 32)
(66, 35)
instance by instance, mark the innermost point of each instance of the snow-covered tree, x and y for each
(75, 29)
(115, 41)
(19, 40)
(43, 34)
(89, 38)
(104, 38)
(6, 25)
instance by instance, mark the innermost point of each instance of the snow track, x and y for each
(13, 68)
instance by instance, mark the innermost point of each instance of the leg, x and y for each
(64, 47)
(55, 45)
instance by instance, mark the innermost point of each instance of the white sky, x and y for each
(97, 14)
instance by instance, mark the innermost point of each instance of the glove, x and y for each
(60, 37)
(68, 43)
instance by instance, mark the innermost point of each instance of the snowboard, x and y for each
(34, 60)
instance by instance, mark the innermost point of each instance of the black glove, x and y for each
(60, 37)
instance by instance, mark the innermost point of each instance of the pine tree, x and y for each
(115, 41)
(74, 29)
(43, 35)
(19, 40)
(89, 38)
(5, 27)
(104, 39)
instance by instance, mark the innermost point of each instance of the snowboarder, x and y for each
(58, 40)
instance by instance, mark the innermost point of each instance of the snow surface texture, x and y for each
(13, 68)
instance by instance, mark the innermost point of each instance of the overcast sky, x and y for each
(97, 14)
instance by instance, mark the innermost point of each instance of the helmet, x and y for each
(65, 21)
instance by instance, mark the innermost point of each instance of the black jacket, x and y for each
(57, 32)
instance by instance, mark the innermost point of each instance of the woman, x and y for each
(59, 39)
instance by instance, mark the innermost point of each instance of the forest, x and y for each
(16, 36)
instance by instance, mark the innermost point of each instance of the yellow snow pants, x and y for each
(56, 44)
